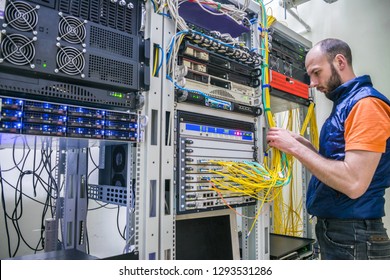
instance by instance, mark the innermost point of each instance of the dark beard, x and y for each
(333, 83)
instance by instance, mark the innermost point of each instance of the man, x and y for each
(352, 168)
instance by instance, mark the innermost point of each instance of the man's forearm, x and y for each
(305, 142)
(348, 176)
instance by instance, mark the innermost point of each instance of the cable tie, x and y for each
(266, 86)
(219, 6)
(267, 109)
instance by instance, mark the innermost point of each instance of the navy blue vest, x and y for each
(325, 202)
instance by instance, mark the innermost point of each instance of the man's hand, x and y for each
(286, 141)
(282, 139)
(350, 176)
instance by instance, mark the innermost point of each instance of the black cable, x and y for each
(26, 195)
(124, 232)
(48, 168)
(17, 214)
(117, 223)
(16, 220)
(44, 212)
(100, 206)
(5, 213)
(24, 157)
(16, 165)
(35, 156)
(90, 156)
(89, 174)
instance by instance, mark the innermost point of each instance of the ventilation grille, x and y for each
(70, 61)
(112, 42)
(21, 16)
(107, 13)
(46, 3)
(17, 49)
(110, 70)
(110, 194)
(67, 92)
(72, 30)
(219, 93)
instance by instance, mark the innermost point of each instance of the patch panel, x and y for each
(201, 178)
(213, 204)
(197, 98)
(203, 169)
(197, 186)
(223, 89)
(203, 140)
(236, 54)
(201, 195)
(218, 76)
(219, 60)
(207, 194)
(217, 132)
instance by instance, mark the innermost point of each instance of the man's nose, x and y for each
(313, 83)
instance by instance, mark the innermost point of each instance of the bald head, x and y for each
(331, 47)
(329, 64)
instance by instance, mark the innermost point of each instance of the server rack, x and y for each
(152, 217)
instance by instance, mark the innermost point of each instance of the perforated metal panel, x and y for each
(12, 85)
(109, 41)
(107, 13)
(110, 194)
(81, 57)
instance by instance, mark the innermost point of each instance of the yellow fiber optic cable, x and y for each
(264, 182)
(155, 62)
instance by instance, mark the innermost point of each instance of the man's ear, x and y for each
(340, 61)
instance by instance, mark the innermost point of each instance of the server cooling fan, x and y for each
(17, 49)
(72, 30)
(70, 60)
(21, 16)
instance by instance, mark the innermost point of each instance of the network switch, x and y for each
(202, 142)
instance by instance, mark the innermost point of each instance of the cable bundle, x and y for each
(250, 178)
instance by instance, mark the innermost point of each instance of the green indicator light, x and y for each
(44, 65)
(117, 94)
